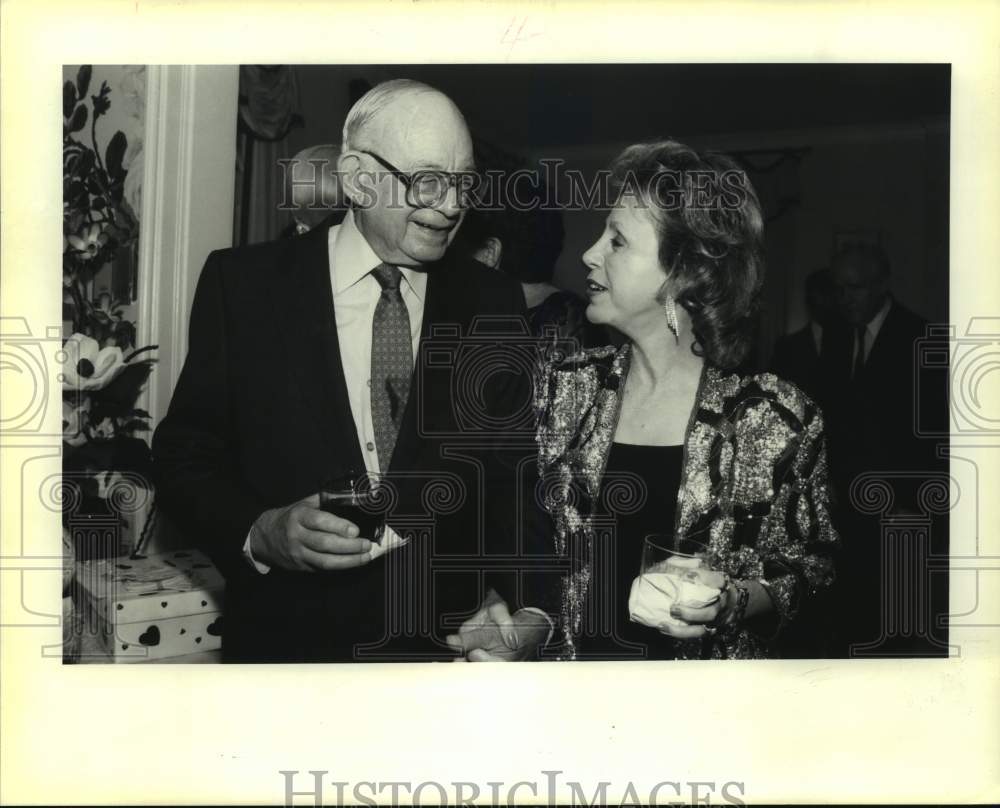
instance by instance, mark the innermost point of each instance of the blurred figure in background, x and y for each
(874, 369)
(878, 388)
(312, 188)
(526, 245)
(800, 357)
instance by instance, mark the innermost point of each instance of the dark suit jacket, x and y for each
(874, 419)
(887, 426)
(796, 360)
(260, 418)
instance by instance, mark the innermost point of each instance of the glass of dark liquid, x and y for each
(354, 496)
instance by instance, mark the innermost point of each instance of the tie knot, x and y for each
(388, 276)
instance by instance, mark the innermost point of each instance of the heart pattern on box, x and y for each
(216, 628)
(151, 636)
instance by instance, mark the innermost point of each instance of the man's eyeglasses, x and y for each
(427, 188)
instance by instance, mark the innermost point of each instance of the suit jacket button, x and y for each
(370, 446)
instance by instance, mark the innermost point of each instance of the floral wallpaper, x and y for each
(103, 369)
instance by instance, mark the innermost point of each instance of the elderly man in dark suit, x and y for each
(880, 389)
(337, 351)
(874, 366)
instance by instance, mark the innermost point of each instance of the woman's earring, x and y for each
(670, 307)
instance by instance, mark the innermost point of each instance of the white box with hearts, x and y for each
(153, 607)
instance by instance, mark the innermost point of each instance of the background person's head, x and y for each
(413, 127)
(861, 276)
(312, 187)
(688, 225)
(821, 296)
(523, 243)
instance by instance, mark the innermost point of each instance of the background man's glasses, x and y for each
(428, 188)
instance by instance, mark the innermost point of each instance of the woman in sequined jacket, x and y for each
(662, 434)
(752, 487)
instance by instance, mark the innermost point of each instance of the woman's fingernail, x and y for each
(511, 639)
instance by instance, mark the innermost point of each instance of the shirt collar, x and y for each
(816, 332)
(875, 324)
(352, 258)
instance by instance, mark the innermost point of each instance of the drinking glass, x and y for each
(353, 495)
(668, 574)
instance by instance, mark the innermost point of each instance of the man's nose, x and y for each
(451, 205)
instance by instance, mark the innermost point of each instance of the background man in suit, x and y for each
(875, 367)
(800, 357)
(879, 387)
(301, 367)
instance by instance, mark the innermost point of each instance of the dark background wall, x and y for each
(837, 152)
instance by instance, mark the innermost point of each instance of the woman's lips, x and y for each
(593, 287)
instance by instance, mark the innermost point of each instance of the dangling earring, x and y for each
(670, 307)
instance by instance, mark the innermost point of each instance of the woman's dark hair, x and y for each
(710, 230)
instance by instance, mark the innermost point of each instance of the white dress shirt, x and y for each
(355, 295)
(871, 331)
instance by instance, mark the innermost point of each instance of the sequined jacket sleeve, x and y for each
(797, 557)
(778, 499)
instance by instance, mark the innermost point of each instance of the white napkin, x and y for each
(388, 541)
(654, 593)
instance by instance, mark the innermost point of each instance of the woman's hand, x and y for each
(692, 620)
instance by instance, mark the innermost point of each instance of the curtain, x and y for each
(268, 110)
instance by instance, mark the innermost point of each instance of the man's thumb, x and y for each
(470, 640)
(500, 615)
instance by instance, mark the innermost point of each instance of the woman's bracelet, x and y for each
(742, 600)
(735, 615)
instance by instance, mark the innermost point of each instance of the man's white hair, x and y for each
(374, 101)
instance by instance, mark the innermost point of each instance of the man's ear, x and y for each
(490, 253)
(349, 170)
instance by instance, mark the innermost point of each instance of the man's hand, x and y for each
(302, 537)
(493, 635)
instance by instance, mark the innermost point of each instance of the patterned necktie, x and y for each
(392, 362)
(859, 357)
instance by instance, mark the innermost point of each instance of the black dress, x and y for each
(638, 497)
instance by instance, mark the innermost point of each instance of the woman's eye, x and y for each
(617, 242)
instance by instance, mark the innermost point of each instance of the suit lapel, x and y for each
(313, 349)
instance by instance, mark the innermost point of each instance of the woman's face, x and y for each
(625, 274)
